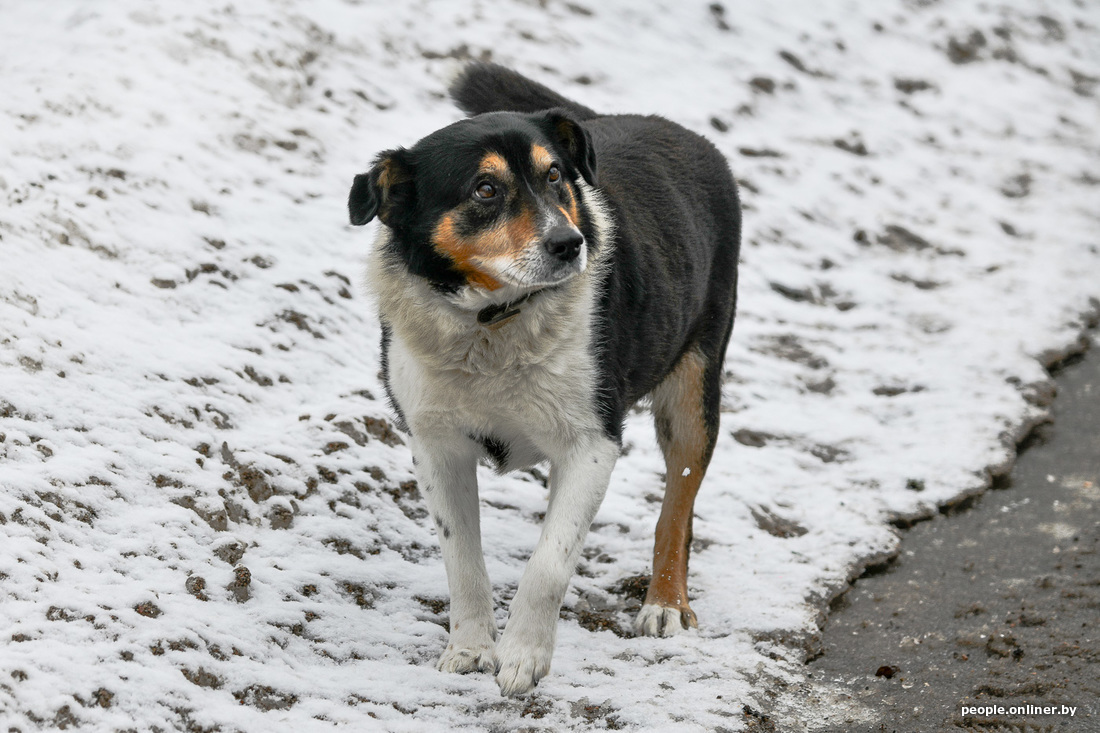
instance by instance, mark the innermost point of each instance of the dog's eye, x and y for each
(485, 190)
(554, 175)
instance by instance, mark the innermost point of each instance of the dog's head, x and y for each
(489, 202)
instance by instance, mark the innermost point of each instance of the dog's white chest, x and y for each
(540, 402)
(528, 381)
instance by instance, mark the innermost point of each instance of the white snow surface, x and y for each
(189, 387)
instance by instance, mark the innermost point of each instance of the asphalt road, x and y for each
(995, 606)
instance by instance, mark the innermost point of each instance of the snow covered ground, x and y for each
(206, 520)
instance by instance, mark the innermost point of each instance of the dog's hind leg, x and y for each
(685, 410)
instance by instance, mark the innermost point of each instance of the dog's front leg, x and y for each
(578, 481)
(447, 472)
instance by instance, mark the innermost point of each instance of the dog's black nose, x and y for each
(564, 243)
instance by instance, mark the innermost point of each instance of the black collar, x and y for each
(494, 314)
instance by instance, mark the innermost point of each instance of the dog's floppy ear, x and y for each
(575, 140)
(385, 191)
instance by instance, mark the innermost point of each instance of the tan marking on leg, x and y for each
(681, 431)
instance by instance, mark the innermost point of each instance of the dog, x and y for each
(541, 268)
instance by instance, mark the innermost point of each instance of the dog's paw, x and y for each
(463, 659)
(654, 620)
(520, 666)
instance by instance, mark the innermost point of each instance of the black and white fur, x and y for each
(652, 287)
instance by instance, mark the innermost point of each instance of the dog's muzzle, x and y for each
(563, 243)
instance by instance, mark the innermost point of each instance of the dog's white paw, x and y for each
(654, 620)
(520, 666)
(463, 659)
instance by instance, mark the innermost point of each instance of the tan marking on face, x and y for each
(541, 158)
(566, 215)
(475, 254)
(678, 402)
(495, 164)
(457, 249)
(574, 209)
(517, 232)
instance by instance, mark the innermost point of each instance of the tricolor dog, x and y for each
(540, 269)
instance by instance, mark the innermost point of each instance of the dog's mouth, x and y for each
(558, 273)
(537, 269)
(554, 266)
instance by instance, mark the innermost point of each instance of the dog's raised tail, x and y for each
(484, 87)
